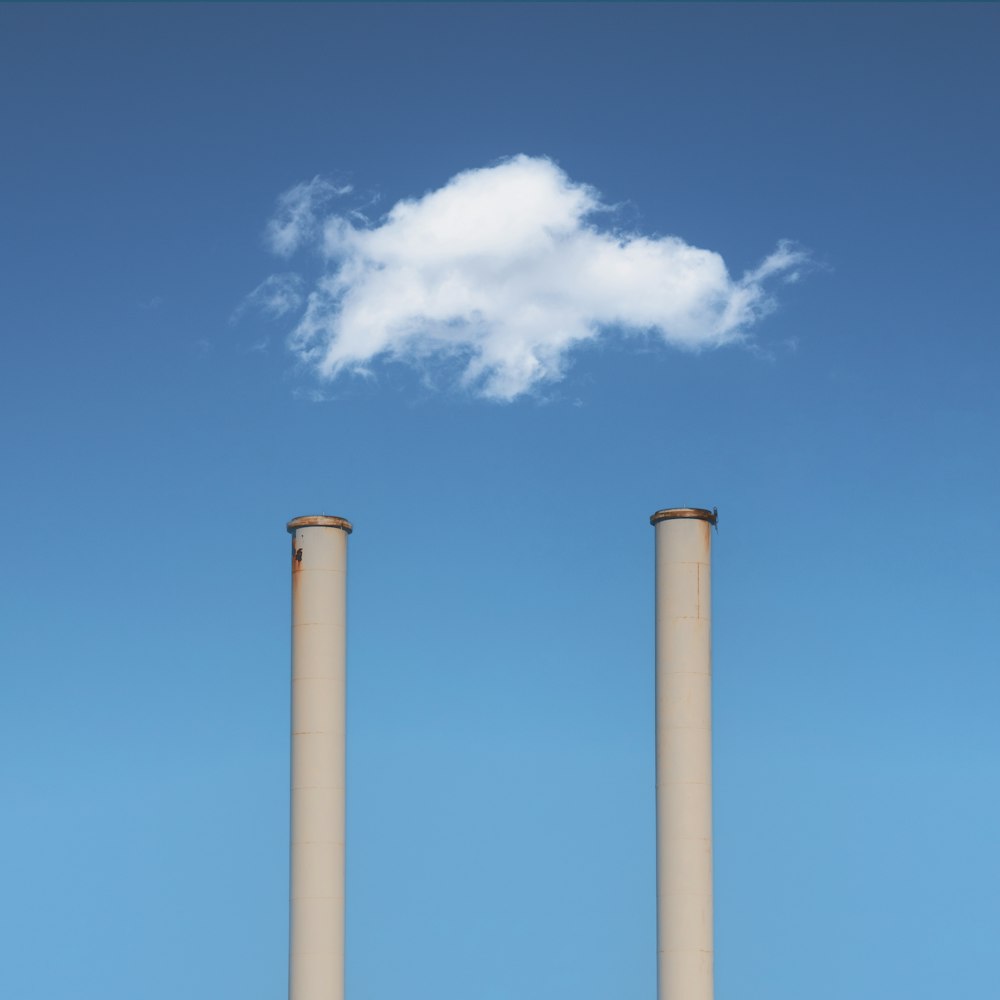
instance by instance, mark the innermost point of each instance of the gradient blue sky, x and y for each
(500, 746)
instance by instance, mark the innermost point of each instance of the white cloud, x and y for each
(505, 270)
(296, 220)
(276, 296)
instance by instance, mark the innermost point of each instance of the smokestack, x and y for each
(319, 606)
(684, 753)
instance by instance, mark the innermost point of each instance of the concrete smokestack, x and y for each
(319, 606)
(684, 753)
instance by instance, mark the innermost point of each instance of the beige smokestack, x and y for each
(684, 753)
(319, 606)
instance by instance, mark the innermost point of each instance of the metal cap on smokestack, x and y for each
(319, 619)
(684, 752)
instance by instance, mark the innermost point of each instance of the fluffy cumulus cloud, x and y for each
(498, 275)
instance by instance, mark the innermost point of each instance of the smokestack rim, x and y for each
(697, 513)
(319, 521)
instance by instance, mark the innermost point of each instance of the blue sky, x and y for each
(500, 745)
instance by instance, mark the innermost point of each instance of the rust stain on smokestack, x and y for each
(681, 513)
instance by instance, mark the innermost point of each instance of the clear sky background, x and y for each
(501, 664)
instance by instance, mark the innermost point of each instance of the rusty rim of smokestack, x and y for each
(698, 513)
(319, 521)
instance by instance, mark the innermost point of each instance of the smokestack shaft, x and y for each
(684, 753)
(319, 606)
